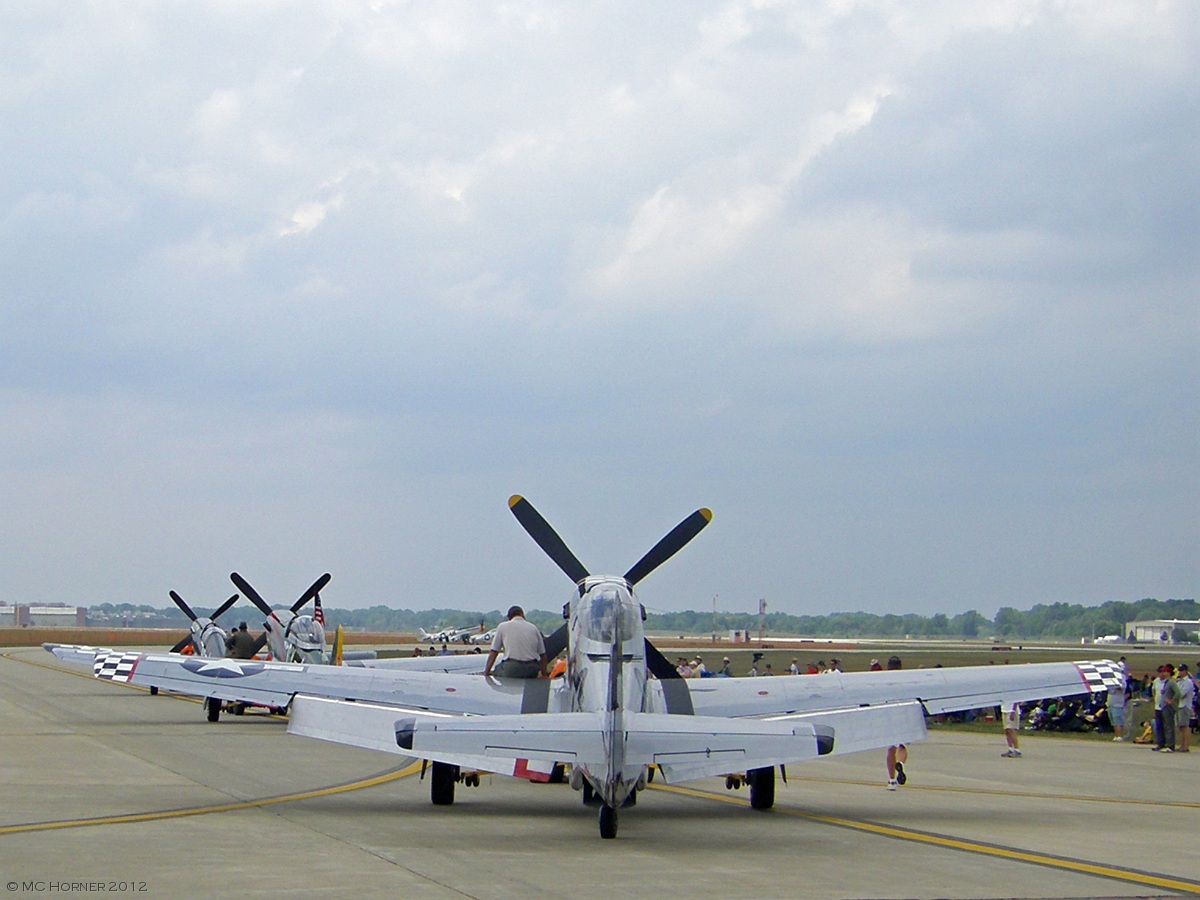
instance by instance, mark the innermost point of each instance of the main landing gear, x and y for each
(762, 786)
(442, 779)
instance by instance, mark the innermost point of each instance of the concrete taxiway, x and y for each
(103, 784)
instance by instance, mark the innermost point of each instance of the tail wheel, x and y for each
(442, 777)
(762, 787)
(214, 709)
(608, 822)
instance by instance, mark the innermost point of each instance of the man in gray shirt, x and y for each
(523, 647)
(1166, 697)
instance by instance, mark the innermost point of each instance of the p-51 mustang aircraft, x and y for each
(291, 636)
(621, 708)
(447, 635)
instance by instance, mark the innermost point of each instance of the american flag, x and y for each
(318, 613)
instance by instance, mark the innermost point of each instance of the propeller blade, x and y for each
(178, 648)
(556, 643)
(224, 607)
(259, 643)
(311, 592)
(546, 538)
(187, 610)
(660, 667)
(669, 545)
(251, 594)
(676, 693)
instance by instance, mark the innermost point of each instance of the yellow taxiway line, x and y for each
(993, 792)
(128, 818)
(1010, 853)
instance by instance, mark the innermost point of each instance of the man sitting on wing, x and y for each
(523, 647)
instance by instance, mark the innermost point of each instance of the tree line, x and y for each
(1062, 621)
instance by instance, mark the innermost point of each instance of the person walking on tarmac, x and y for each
(897, 754)
(240, 645)
(523, 647)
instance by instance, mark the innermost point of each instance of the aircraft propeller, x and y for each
(675, 540)
(553, 546)
(254, 597)
(546, 538)
(187, 611)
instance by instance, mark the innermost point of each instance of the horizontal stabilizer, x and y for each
(688, 747)
(344, 722)
(868, 727)
(526, 746)
(683, 747)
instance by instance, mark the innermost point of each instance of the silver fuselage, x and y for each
(606, 673)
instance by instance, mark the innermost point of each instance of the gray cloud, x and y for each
(906, 295)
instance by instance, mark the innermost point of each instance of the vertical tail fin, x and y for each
(338, 641)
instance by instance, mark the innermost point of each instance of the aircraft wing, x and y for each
(471, 663)
(275, 683)
(76, 654)
(876, 709)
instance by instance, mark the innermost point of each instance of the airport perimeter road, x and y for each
(106, 785)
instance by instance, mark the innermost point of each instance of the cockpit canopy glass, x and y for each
(306, 633)
(606, 614)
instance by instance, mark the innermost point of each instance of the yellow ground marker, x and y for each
(129, 818)
(920, 837)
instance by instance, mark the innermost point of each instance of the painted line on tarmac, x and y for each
(1083, 867)
(130, 818)
(994, 792)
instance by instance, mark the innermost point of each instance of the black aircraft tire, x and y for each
(442, 777)
(214, 709)
(608, 822)
(762, 787)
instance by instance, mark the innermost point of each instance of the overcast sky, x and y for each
(907, 294)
